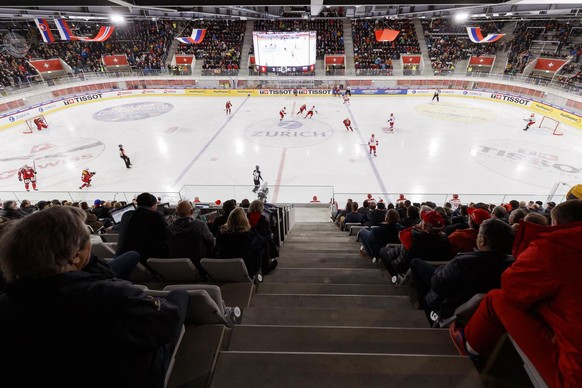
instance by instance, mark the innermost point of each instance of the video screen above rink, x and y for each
(285, 52)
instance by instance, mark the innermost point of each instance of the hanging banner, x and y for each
(104, 33)
(477, 37)
(386, 35)
(196, 37)
(45, 31)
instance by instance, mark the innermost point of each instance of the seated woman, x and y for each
(236, 239)
(51, 307)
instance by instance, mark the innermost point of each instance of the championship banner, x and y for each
(386, 35)
(104, 33)
(45, 31)
(477, 37)
(196, 37)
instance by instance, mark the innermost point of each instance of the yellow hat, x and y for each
(575, 192)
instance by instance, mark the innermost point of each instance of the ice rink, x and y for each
(458, 145)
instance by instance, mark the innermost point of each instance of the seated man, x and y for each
(539, 300)
(64, 327)
(425, 241)
(376, 215)
(354, 217)
(386, 233)
(465, 240)
(189, 238)
(443, 289)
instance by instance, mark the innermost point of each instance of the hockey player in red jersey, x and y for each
(40, 123)
(228, 107)
(346, 99)
(348, 124)
(372, 143)
(86, 177)
(391, 121)
(28, 174)
(310, 112)
(531, 121)
(302, 109)
(282, 113)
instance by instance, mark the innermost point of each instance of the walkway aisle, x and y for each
(327, 318)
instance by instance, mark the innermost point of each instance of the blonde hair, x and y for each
(237, 222)
(256, 206)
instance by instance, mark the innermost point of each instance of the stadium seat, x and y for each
(226, 270)
(110, 237)
(175, 270)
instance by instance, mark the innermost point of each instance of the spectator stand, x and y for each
(335, 64)
(51, 68)
(544, 68)
(412, 64)
(480, 64)
(182, 64)
(115, 62)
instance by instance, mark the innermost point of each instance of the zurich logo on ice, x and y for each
(132, 112)
(290, 124)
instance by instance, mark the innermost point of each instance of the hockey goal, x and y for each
(30, 125)
(551, 124)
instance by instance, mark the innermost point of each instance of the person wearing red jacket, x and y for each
(538, 304)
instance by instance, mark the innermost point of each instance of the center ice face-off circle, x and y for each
(456, 112)
(134, 111)
(289, 133)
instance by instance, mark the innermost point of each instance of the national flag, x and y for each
(104, 33)
(196, 37)
(481, 61)
(477, 37)
(115, 60)
(45, 31)
(64, 29)
(549, 64)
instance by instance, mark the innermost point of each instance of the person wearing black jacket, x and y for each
(63, 327)
(143, 230)
(444, 289)
(236, 239)
(189, 238)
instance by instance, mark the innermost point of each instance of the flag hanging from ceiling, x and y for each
(386, 35)
(477, 37)
(196, 37)
(104, 33)
(45, 31)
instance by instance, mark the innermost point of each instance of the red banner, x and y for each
(549, 64)
(482, 61)
(334, 59)
(46, 65)
(115, 60)
(184, 59)
(386, 35)
(411, 59)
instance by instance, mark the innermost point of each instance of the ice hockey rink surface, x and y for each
(458, 145)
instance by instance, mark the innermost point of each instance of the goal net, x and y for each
(552, 125)
(31, 125)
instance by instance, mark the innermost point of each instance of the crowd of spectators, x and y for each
(220, 51)
(448, 43)
(369, 54)
(330, 33)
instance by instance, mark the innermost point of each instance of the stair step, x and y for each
(330, 289)
(285, 316)
(342, 340)
(342, 279)
(390, 302)
(357, 272)
(324, 263)
(276, 369)
(316, 256)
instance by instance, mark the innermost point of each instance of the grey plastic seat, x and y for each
(175, 270)
(101, 250)
(203, 310)
(141, 274)
(110, 237)
(226, 270)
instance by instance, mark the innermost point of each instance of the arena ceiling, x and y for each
(99, 10)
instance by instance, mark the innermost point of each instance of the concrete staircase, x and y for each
(423, 47)
(246, 49)
(327, 318)
(349, 47)
(501, 55)
(171, 51)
